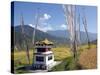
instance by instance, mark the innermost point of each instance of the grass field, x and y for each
(60, 53)
(88, 59)
(63, 54)
(20, 58)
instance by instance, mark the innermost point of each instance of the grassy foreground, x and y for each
(86, 59)
(63, 54)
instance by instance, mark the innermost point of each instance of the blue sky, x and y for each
(51, 16)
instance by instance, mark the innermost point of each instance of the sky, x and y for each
(51, 16)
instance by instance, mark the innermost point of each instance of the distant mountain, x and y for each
(59, 37)
(94, 42)
(59, 33)
(65, 34)
(28, 32)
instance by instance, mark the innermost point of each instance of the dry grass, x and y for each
(61, 53)
(88, 59)
(20, 58)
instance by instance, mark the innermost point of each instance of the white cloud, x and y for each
(43, 25)
(42, 28)
(45, 29)
(31, 25)
(46, 16)
(63, 26)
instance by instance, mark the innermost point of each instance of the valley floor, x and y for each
(87, 58)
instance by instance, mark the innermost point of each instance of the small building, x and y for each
(43, 56)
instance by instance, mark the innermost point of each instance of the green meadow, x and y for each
(64, 54)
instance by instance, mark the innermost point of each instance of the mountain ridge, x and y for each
(28, 33)
(65, 34)
(61, 39)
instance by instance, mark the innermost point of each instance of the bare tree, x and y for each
(78, 31)
(36, 24)
(85, 27)
(69, 12)
(25, 42)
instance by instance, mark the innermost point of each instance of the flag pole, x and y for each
(24, 39)
(34, 31)
(85, 27)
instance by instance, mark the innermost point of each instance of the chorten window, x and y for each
(49, 57)
(39, 58)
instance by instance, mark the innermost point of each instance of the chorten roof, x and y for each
(46, 41)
